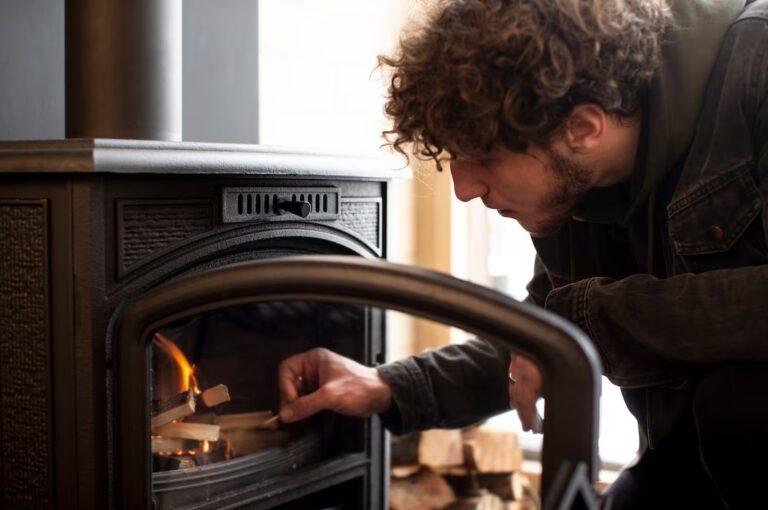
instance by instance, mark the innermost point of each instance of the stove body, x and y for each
(87, 225)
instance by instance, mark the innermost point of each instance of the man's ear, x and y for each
(585, 127)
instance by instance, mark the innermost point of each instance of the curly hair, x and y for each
(478, 73)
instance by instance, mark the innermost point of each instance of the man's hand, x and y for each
(524, 391)
(320, 379)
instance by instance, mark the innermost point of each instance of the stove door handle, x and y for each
(299, 208)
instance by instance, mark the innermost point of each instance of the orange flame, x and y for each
(206, 446)
(187, 371)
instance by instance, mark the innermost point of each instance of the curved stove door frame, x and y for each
(569, 363)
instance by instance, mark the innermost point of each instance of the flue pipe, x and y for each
(123, 69)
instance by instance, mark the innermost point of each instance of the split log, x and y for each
(404, 449)
(531, 481)
(521, 505)
(456, 471)
(182, 430)
(171, 445)
(183, 462)
(271, 423)
(526, 487)
(206, 418)
(490, 450)
(179, 406)
(215, 395)
(485, 501)
(474, 484)
(252, 432)
(441, 448)
(404, 471)
(173, 462)
(256, 419)
(254, 440)
(423, 490)
(501, 484)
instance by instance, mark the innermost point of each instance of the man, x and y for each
(630, 138)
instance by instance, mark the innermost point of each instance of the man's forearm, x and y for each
(453, 386)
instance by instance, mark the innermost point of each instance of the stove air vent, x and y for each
(259, 203)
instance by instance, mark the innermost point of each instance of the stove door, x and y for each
(336, 299)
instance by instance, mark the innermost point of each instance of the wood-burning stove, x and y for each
(95, 221)
(87, 226)
(107, 244)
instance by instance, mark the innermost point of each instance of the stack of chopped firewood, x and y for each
(478, 468)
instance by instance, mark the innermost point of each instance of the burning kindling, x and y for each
(183, 404)
(187, 431)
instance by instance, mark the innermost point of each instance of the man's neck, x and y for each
(615, 163)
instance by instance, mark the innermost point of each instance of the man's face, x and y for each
(538, 188)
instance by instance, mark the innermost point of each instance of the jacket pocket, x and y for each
(713, 226)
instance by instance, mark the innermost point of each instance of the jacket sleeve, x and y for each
(455, 385)
(648, 330)
(449, 387)
(540, 285)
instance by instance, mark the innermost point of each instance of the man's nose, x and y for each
(466, 182)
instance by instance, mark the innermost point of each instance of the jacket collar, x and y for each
(689, 50)
(670, 108)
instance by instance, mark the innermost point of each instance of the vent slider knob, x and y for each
(299, 208)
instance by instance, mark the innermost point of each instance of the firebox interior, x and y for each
(237, 441)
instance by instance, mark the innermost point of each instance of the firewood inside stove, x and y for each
(172, 462)
(171, 445)
(179, 406)
(216, 395)
(256, 419)
(182, 430)
(248, 441)
(206, 418)
(188, 430)
(252, 432)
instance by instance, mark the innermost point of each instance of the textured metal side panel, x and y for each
(147, 226)
(363, 216)
(25, 445)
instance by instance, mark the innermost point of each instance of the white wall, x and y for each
(316, 67)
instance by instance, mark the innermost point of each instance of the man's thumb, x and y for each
(301, 408)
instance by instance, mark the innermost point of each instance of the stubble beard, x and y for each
(571, 183)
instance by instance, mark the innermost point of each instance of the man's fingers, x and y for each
(524, 391)
(303, 407)
(523, 399)
(290, 379)
(527, 416)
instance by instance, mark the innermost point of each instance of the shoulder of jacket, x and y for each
(754, 10)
